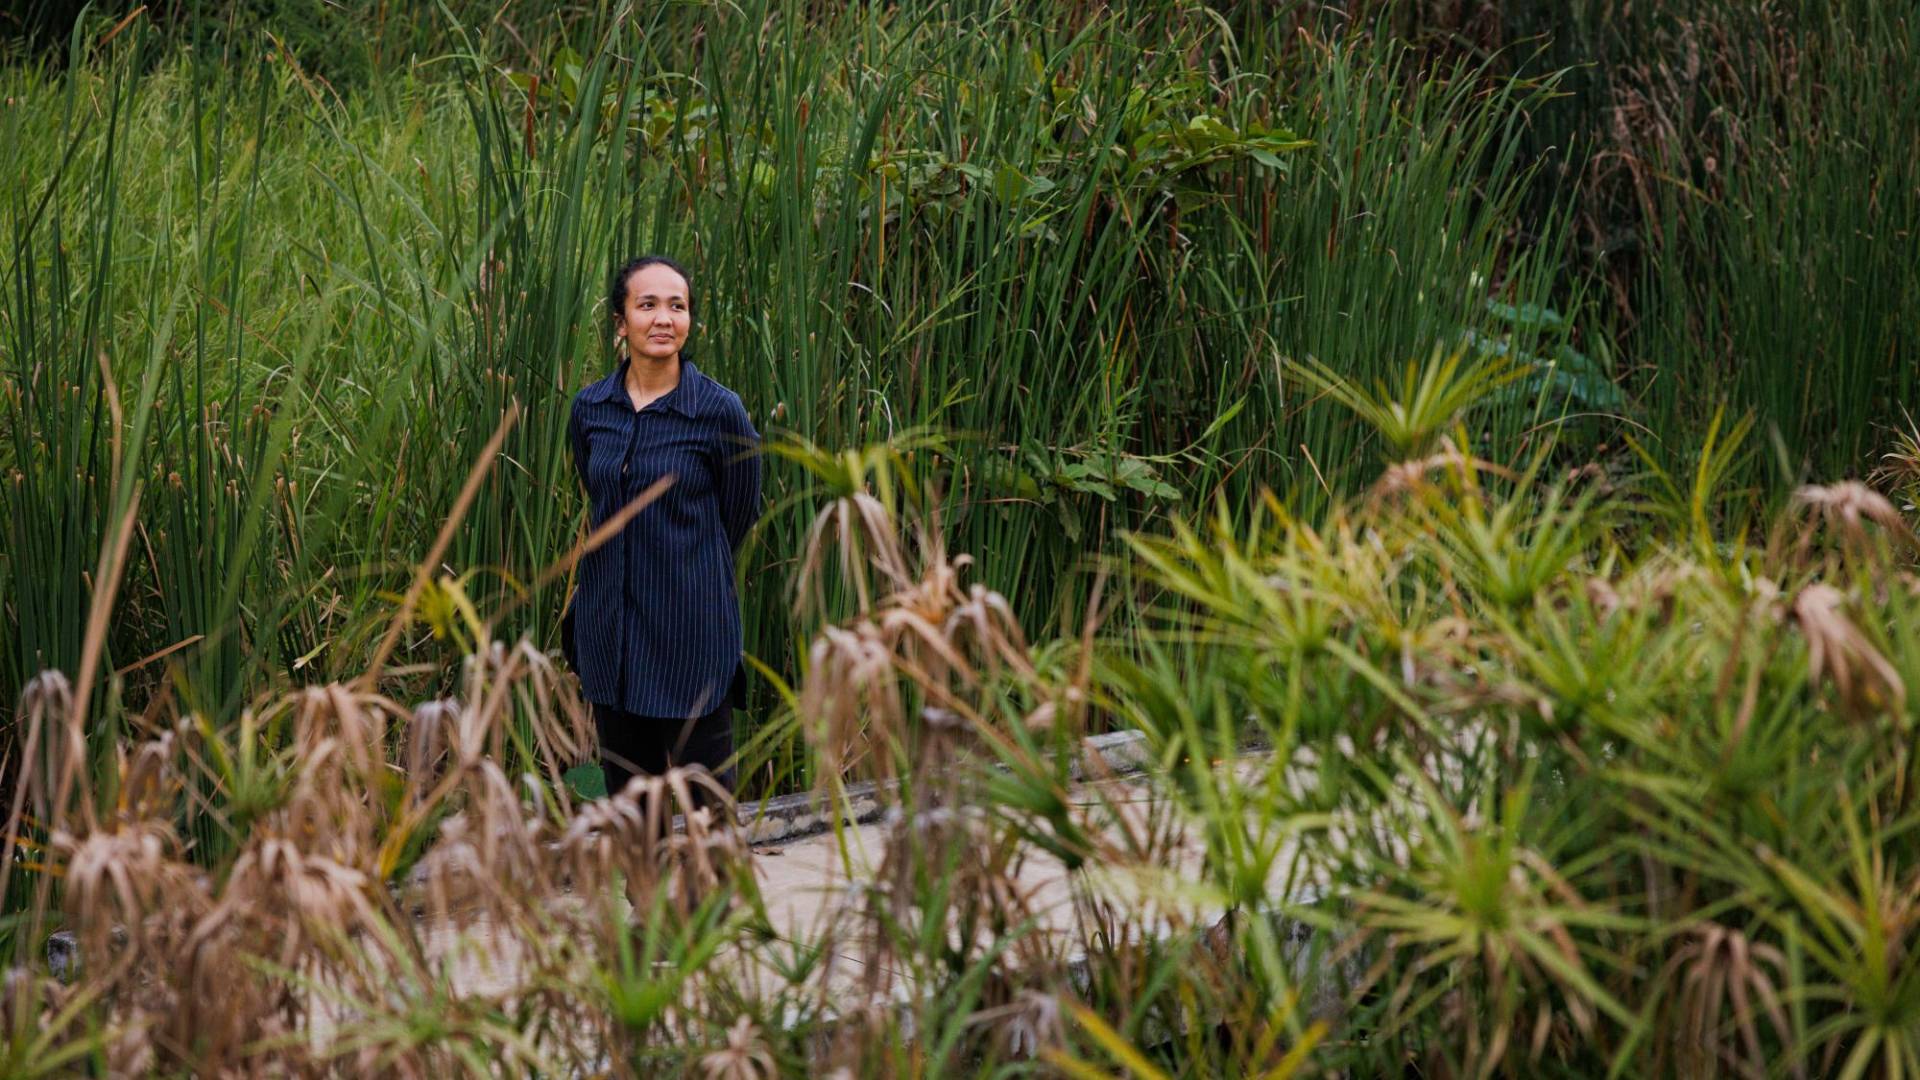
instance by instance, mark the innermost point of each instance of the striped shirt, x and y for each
(656, 618)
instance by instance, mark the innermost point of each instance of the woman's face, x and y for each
(657, 318)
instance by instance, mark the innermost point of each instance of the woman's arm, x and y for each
(739, 472)
(577, 435)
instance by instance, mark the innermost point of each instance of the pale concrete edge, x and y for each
(786, 818)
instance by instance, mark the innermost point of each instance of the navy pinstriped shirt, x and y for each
(656, 622)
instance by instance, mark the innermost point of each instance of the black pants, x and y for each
(632, 744)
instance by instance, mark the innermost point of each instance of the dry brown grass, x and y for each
(244, 967)
(1728, 985)
(1839, 651)
(1850, 506)
(316, 945)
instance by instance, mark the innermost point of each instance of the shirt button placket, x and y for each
(626, 560)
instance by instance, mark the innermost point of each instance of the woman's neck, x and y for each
(648, 379)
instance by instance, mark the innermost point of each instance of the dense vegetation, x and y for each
(1440, 401)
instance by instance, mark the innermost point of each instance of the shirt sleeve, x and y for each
(577, 435)
(739, 472)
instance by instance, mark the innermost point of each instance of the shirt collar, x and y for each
(684, 399)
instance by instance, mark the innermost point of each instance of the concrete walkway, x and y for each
(812, 888)
(815, 885)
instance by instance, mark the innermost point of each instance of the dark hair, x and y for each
(617, 288)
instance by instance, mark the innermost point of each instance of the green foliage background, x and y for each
(318, 248)
(1448, 396)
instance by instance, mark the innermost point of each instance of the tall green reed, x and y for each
(1088, 245)
(1783, 277)
(1740, 190)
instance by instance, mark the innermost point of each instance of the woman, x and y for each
(655, 622)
